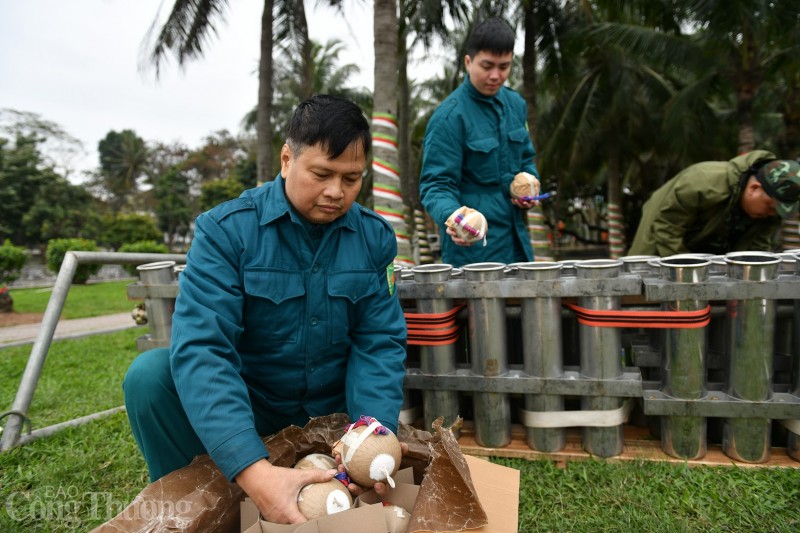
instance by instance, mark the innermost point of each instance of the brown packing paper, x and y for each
(198, 498)
(193, 499)
(447, 499)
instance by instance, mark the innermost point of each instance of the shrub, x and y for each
(58, 248)
(142, 247)
(131, 228)
(12, 259)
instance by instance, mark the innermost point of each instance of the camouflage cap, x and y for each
(781, 180)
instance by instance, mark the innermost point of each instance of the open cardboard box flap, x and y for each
(198, 497)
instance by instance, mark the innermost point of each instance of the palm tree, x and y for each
(742, 33)
(604, 122)
(123, 164)
(419, 24)
(293, 31)
(185, 33)
(386, 188)
(327, 75)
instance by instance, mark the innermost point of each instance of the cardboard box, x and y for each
(498, 492)
(497, 487)
(366, 519)
(453, 490)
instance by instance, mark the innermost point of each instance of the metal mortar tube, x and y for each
(793, 440)
(750, 327)
(437, 360)
(718, 266)
(488, 354)
(569, 328)
(409, 411)
(601, 358)
(784, 322)
(542, 356)
(684, 362)
(715, 332)
(640, 264)
(159, 310)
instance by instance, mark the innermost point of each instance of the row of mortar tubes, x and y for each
(543, 351)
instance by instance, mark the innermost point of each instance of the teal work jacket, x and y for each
(474, 146)
(263, 316)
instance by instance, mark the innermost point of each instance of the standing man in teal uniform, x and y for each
(286, 311)
(476, 142)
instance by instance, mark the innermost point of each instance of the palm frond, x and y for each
(185, 32)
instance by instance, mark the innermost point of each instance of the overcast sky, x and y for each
(76, 63)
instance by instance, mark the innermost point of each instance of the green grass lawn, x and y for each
(82, 301)
(81, 477)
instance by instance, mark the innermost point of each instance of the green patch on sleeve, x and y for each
(390, 278)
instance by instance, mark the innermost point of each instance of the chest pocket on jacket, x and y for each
(347, 290)
(274, 305)
(517, 142)
(482, 160)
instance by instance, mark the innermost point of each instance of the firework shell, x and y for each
(368, 457)
(321, 499)
(469, 224)
(524, 184)
(316, 460)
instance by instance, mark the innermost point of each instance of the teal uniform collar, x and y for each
(473, 92)
(279, 206)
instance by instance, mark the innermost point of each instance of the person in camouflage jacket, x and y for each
(719, 207)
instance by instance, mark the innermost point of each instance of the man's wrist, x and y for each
(250, 475)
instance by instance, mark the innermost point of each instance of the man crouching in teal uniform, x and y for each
(286, 311)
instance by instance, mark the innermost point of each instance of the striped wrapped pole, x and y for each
(790, 232)
(616, 232)
(422, 250)
(386, 183)
(540, 235)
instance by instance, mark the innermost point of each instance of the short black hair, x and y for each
(331, 122)
(493, 35)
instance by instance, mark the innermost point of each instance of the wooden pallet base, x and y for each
(638, 445)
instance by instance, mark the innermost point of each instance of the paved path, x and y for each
(67, 329)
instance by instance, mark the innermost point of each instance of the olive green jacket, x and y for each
(698, 211)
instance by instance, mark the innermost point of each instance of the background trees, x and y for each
(621, 96)
(123, 159)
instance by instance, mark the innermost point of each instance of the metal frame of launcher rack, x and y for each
(694, 344)
(689, 340)
(699, 344)
(17, 417)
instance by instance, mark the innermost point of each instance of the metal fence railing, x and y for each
(17, 417)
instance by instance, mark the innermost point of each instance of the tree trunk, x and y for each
(747, 136)
(537, 227)
(264, 110)
(386, 186)
(301, 27)
(409, 181)
(616, 228)
(790, 109)
(529, 63)
(748, 81)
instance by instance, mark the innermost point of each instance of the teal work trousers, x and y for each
(160, 425)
